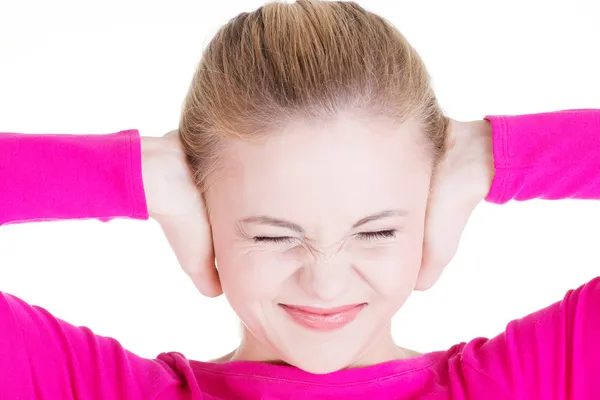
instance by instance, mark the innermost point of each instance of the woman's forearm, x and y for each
(554, 155)
(55, 177)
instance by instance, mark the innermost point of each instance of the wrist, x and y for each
(474, 147)
(482, 137)
(158, 160)
(168, 182)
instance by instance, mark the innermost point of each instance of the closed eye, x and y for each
(273, 239)
(378, 235)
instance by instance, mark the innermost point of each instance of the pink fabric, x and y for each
(551, 354)
(50, 177)
(548, 156)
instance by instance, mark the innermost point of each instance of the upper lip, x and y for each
(323, 311)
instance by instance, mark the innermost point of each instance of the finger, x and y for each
(207, 280)
(173, 133)
(191, 240)
(443, 230)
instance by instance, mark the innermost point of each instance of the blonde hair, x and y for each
(310, 58)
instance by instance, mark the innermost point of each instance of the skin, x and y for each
(462, 180)
(322, 214)
(323, 177)
(175, 203)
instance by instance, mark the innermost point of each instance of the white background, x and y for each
(101, 67)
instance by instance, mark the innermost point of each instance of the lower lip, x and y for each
(323, 322)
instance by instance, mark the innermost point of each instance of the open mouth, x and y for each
(323, 319)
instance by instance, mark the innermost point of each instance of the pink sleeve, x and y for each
(555, 352)
(43, 357)
(51, 177)
(551, 354)
(553, 155)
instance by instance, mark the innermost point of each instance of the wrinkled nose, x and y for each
(325, 279)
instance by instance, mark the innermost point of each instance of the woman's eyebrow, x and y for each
(266, 220)
(380, 215)
(281, 223)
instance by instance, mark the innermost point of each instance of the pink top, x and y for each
(553, 353)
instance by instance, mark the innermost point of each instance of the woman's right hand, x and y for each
(176, 204)
(462, 181)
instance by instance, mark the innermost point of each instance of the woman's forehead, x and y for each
(340, 174)
(344, 142)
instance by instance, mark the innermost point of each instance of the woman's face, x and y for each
(323, 215)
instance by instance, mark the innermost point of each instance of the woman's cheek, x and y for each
(390, 269)
(258, 272)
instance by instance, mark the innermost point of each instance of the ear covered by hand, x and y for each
(462, 179)
(175, 202)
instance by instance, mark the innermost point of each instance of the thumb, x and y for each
(191, 242)
(206, 279)
(444, 225)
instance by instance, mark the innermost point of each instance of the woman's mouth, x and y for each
(323, 319)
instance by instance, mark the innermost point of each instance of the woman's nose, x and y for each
(326, 279)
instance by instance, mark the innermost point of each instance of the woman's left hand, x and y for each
(462, 180)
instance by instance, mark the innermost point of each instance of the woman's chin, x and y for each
(319, 365)
(319, 357)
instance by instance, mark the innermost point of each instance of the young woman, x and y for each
(315, 154)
